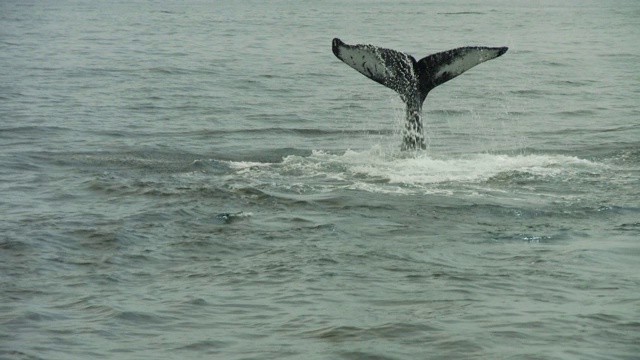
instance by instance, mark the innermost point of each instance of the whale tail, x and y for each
(410, 78)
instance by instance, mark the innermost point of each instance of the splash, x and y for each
(375, 170)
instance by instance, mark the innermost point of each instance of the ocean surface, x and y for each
(206, 180)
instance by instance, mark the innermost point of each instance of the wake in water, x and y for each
(377, 171)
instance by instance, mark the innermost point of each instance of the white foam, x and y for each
(241, 165)
(402, 173)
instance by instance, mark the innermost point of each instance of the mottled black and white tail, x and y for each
(410, 78)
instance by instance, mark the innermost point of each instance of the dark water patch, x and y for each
(623, 55)
(625, 129)
(101, 239)
(384, 331)
(461, 13)
(318, 75)
(555, 63)
(70, 261)
(116, 186)
(117, 133)
(602, 318)
(205, 346)
(460, 345)
(213, 242)
(170, 70)
(9, 93)
(352, 108)
(19, 355)
(362, 355)
(528, 92)
(195, 302)
(9, 43)
(13, 245)
(628, 326)
(629, 227)
(368, 206)
(578, 112)
(40, 316)
(142, 317)
(573, 82)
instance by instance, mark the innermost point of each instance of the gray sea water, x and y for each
(205, 180)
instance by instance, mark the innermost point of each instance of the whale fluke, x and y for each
(410, 78)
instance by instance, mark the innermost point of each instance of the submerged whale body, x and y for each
(410, 78)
